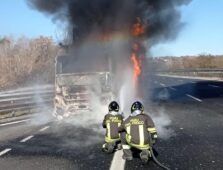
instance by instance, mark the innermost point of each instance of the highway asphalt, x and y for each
(187, 112)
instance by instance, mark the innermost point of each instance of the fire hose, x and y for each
(154, 157)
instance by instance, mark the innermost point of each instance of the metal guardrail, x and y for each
(25, 100)
(194, 70)
(215, 73)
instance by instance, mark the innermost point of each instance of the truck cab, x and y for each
(78, 86)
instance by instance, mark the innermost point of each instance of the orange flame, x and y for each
(136, 66)
(138, 28)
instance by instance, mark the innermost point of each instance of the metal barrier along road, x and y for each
(195, 72)
(25, 100)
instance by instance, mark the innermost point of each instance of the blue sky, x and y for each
(17, 19)
(203, 32)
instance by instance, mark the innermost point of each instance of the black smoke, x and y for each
(162, 18)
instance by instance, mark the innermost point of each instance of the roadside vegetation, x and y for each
(24, 61)
(208, 66)
(203, 61)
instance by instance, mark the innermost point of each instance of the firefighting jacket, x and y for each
(138, 130)
(112, 123)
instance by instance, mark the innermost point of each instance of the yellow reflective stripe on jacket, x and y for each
(128, 139)
(119, 124)
(141, 135)
(142, 147)
(152, 130)
(108, 130)
(128, 129)
(108, 140)
(128, 136)
(108, 135)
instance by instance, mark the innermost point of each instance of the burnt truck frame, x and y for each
(74, 89)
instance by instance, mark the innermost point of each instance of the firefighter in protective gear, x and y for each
(112, 121)
(138, 131)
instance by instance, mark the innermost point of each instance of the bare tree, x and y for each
(25, 60)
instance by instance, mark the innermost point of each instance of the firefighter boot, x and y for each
(108, 147)
(119, 146)
(144, 156)
(127, 154)
(104, 147)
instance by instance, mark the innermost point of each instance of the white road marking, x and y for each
(162, 84)
(15, 122)
(173, 89)
(43, 129)
(195, 98)
(5, 151)
(27, 138)
(213, 86)
(118, 163)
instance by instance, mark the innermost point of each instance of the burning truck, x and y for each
(76, 86)
(89, 70)
(142, 23)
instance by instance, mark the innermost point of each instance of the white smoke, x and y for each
(125, 95)
(89, 119)
(162, 123)
(44, 110)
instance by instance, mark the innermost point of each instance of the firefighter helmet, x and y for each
(137, 106)
(113, 106)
